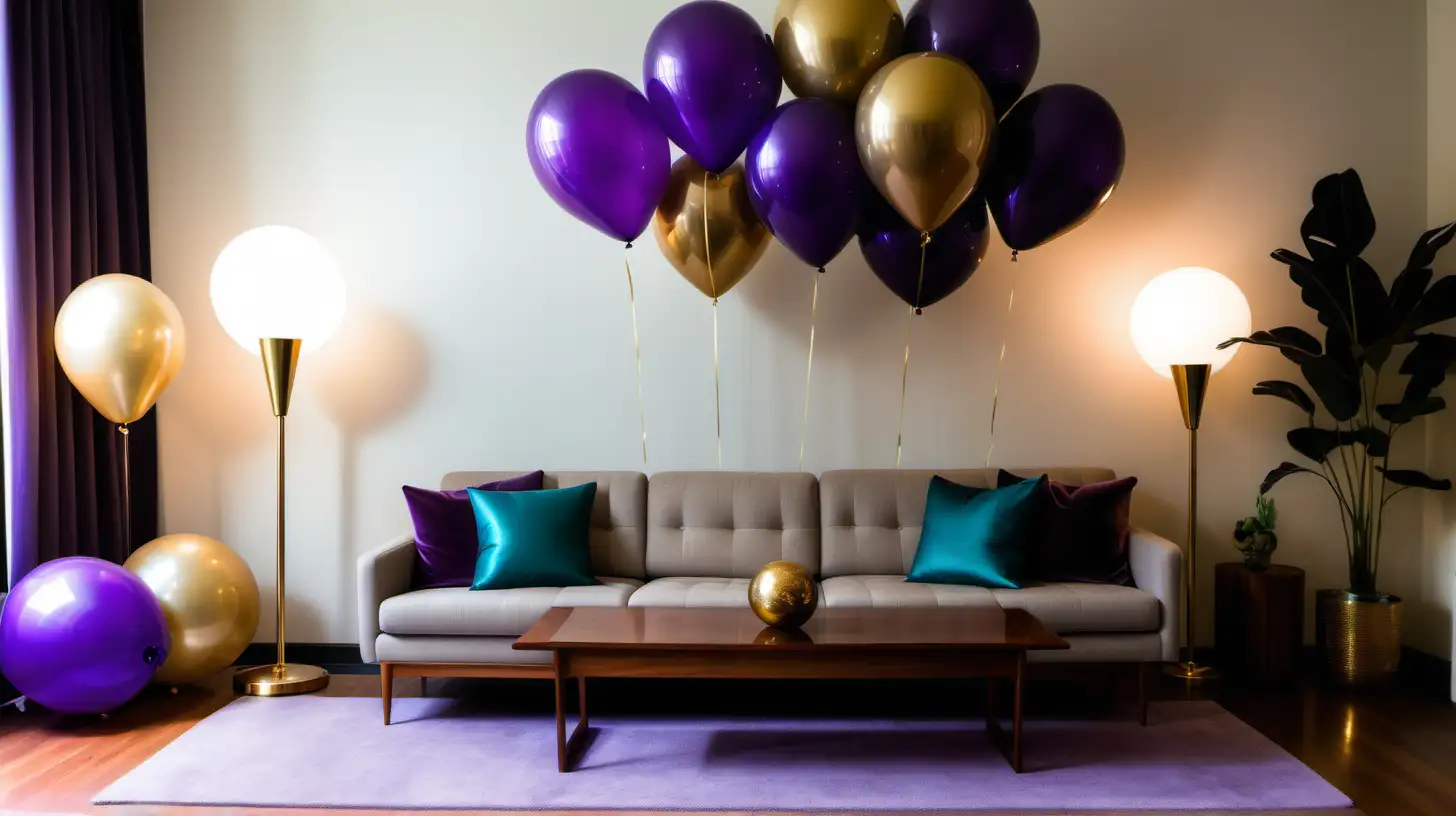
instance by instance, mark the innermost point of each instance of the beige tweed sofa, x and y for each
(694, 539)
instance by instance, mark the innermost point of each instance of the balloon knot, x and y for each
(919, 310)
(924, 239)
(715, 303)
(629, 245)
(1014, 255)
(821, 270)
(123, 429)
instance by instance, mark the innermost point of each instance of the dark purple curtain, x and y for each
(79, 190)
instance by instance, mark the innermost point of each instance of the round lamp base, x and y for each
(280, 681)
(1191, 672)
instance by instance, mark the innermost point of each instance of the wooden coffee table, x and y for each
(835, 644)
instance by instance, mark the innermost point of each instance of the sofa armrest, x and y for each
(383, 573)
(1157, 567)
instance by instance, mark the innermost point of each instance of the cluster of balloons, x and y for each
(82, 635)
(907, 130)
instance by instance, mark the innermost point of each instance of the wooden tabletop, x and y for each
(829, 629)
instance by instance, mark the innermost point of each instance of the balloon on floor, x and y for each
(81, 635)
(209, 598)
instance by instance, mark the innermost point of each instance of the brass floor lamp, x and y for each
(278, 288)
(1178, 320)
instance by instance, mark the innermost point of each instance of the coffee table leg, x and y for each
(561, 760)
(1016, 713)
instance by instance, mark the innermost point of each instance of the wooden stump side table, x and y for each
(1259, 623)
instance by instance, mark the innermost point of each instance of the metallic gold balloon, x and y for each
(736, 238)
(783, 595)
(831, 48)
(120, 340)
(210, 600)
(924, 127)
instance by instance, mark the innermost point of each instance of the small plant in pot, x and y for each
(1348, 444)
(1254, 536)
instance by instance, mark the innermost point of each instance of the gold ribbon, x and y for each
(125, 484)
(637, 349)
(809, 369)
(708, 257)
(996, 385)
(905, 369)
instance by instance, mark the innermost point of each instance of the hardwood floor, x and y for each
(1393, 753)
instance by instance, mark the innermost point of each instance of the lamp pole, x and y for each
(1192, 384)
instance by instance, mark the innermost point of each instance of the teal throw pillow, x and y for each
(975, 536)
(533, 539)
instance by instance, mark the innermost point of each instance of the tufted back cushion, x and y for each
(728, 525)
(872, 518)
(618, 533)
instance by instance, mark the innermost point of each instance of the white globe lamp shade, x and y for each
(277, 282)
(1181, 316)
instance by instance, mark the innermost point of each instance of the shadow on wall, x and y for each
(369, 375)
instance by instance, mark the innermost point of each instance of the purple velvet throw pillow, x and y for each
(445, 538)
(1083, 537)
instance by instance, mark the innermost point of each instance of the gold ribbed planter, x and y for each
(1359, 637)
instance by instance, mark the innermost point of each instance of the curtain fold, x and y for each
(79, 197)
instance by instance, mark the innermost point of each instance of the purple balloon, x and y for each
(598, 151)
(956, 249)
(805, 180)
(1059, 155)
(712, 78)
(81, 635)
(999, 39)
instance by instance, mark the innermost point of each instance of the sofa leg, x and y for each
(1143, 669)
(386, 687)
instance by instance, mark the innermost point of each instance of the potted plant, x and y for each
(1348, 444)
(1254, 536)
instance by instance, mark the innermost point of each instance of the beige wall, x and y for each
(488, 329)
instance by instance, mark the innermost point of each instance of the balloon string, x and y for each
(996, 385)
(717, 390)
(637, 349)
(125, 484)
(905, 368)
(809, 369)
(712, 285)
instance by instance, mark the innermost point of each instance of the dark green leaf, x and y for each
(1340, 225)
(1287, 391)
(1376, 441)
(1275, 475)
(1427, 365)
(1318, 443)
(1403, 412)
(1335, 378)
(1320, 287)
(1430, 243)
(1294, 343)
(1313, 443)
(1438, 304)
(1414, 478)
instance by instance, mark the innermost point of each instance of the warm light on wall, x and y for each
(1181, 316)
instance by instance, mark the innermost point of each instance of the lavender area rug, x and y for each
(439, 753)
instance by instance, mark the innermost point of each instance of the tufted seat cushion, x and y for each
(507, 612)
(730, 524)
(693, 593)
(1064, 608)
(894, 592)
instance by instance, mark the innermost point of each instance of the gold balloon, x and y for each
(924, 127)
(120, 341)
(783, 594)
(210, 600)
(736, 238)
(831, 48)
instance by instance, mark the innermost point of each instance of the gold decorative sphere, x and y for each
(783, 594)
(209, 598)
